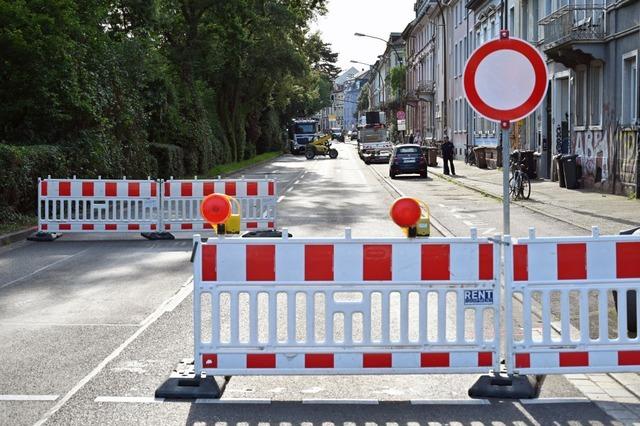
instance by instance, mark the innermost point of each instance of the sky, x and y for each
(374, 17)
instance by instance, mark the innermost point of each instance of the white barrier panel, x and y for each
(346, 306)
(181, 202)
(98, 205)
(569, 322)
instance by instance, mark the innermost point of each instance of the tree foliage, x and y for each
(156, 87)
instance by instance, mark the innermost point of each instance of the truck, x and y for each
(302, 131)
(373, 144)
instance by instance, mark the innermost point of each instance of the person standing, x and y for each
(411, 138)
(447, 156)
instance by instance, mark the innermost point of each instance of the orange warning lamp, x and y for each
(216, 208)
(405, 212)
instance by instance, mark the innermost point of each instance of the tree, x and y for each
(363, 98)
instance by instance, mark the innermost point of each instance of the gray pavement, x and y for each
(91, 326)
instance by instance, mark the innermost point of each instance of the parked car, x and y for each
(406, 159)
(337, 134)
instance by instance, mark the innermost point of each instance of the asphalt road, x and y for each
(90, 326)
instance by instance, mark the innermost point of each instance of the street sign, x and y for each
(402, 125)
(505, 79)
(400, 115)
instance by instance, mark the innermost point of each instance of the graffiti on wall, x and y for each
(592, 148)
(627, 145)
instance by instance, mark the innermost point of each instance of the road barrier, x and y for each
(149, 207)
(346, 306)
(97, 205)
(181, 203)
(568, 285)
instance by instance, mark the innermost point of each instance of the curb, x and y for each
(499, 198)
(16, 236)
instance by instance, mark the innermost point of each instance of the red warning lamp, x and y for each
(405, 212)
(216, 208)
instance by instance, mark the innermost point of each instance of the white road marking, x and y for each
(130, 399)
(234, 401)
(43, 268)
(28, 397)
(450, 402)
(167, 304)
(468, 223)
(60, 324)
(289, 189)
(296, 182)
(578, 400)
(341, 401)
(280, 198)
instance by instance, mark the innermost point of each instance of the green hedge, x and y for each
(169, 158)
(20, 168)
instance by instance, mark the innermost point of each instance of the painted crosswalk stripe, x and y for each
(449, 402)
(341, 401)
(28, 397)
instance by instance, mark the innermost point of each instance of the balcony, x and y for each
(575, 34)
(426, 87)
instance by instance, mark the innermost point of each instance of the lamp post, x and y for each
(383, 40)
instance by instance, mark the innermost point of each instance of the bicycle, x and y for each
(470, 157)
(519, 184)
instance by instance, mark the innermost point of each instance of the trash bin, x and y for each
(481, 156)
(561, 180)
(432, 156)
(570, 168)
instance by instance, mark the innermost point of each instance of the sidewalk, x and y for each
(581, 208)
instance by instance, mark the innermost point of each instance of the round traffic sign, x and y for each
(400, 115)
(505, 79)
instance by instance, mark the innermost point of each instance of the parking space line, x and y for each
(28, 397)
(280, 198)
(42, 269)
(152, 318)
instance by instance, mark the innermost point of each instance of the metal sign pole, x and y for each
(506, 217)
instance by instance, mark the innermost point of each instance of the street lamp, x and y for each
(383, 40)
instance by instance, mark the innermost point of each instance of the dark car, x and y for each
(337, 134)
(407, 159)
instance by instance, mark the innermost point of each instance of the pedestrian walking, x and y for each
(418, 138)
(447, 156)
(411, 138)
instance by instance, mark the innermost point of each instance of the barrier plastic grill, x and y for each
(98, 205)
(346, 306)
(181, 203)
(568, 321)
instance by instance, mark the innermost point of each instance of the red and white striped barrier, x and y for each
(181, 203)
(98, 205)
(346, 306)
(568, 285)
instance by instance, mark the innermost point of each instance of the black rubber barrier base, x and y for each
(507, 387)
(158, 236)
(264, 234)
(44, 236)
(183, 384)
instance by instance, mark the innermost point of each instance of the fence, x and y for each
(146, 206)
(98, 205)
(346, 306)
(569, 320)
(181, 203)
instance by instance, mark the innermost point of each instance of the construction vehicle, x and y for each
(321, 146)
(372, 139)
(301, 132)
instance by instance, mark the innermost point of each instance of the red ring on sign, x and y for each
(539, 88)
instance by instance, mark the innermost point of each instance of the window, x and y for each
(581, 95)
(595, 94)
(630, 88)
